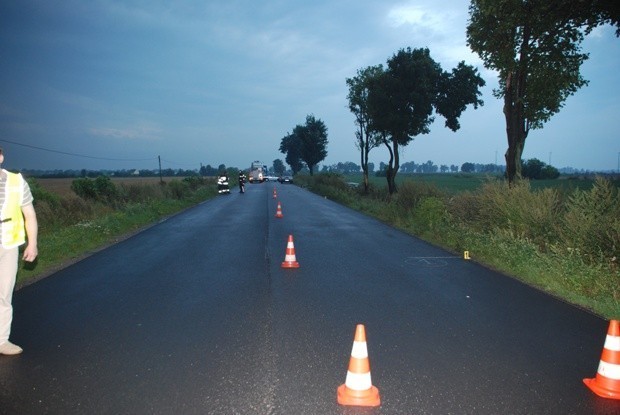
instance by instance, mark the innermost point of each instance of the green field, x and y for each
(455, 183)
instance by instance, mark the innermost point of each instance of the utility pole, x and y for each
(161, 181)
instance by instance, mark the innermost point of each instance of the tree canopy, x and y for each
(402, 100)
(307, 143)
(536, 169)
(291, 146)
(278, 167)
(366, 138)
(534, 45)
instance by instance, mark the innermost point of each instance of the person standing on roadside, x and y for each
(222, 183)
(241, 181)
(18, 224)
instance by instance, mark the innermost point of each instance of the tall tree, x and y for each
(366, 138)
(306, 144)
(313, 137)
(534, 45)
(402, 99)
(291, 146)
(278, 167)
(596, 12)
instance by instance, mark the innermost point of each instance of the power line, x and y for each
(72, 154)
(175, 162)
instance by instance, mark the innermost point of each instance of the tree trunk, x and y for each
(365, 168)
(517, 126)
(392, 167)
(396, 166)
(364, 151)
(513, 159)
(390, 178)
(515, 136)
(388, 174)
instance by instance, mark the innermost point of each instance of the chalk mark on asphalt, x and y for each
(430, 261)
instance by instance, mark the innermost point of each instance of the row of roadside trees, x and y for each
(532, 168)
(394, 104)
(533, 45)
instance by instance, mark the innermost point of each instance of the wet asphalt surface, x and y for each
(195, 315)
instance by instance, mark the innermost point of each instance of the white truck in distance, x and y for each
(258, 171)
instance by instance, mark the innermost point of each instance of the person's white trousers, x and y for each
(8, 272)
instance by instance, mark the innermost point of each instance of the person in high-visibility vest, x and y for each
(18, 226)
(222, 183)
(241, 181)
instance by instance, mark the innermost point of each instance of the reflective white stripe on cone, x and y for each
(290, 261)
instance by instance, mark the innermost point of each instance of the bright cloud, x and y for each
(439, 20)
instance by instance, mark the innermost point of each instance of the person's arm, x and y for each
(32, 230)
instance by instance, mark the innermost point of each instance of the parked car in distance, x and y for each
(270, 178)
(285, 179)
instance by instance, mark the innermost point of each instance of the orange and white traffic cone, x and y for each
(357, 389)
(607, 381)
(279, 211)
(275, 194)
(289, 260)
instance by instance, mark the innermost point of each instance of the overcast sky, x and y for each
(105, 84)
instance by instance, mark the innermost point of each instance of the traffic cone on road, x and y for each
(357, 389)
(289, 260)
(279, 211)
(275, 194)
(607, 381)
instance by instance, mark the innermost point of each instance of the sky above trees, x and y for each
(114, 84)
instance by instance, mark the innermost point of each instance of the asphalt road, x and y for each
(195, 315)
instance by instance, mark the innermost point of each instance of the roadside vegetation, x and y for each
(562, 238)
(98, 212)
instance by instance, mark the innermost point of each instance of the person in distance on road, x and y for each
(222, 183)
(241, 181)
(18, 224)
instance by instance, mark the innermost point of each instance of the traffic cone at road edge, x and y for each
(289, 260)
(279, 211)
(607, 381)
(357, 389)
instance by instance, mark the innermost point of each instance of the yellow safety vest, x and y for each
(13, 230)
